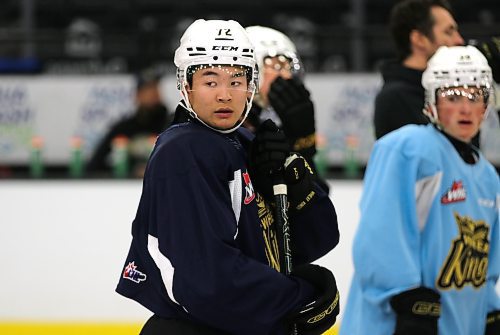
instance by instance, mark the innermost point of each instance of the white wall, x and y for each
(63, 244)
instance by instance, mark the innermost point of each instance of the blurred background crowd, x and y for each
(53, 43)
(93, 36)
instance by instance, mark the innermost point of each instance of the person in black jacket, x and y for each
(419, 28)
(138, 131)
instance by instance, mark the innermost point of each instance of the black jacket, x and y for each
(401, 99)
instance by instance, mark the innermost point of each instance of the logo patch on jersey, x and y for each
(131, 273)
(488, 203)
(455, 194)
(249, 191)
(467, 261)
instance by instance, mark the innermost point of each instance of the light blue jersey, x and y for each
(427, 219)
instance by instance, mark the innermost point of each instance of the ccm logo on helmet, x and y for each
(224, 47)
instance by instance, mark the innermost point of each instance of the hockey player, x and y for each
(282, 96)
(426, 253)
(204, 255)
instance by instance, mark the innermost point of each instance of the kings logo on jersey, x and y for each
(467, 261)
(455, 194)
(131, 273)
(249, 191)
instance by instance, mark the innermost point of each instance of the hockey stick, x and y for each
(283, 234)
(281, 218)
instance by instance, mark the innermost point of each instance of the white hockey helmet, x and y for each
(456, 66)
(215, 43)
(269, 42)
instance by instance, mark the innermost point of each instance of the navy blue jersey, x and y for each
(204, 247)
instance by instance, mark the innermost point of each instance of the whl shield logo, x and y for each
(249, 191)
(131, 273)
(455, 194)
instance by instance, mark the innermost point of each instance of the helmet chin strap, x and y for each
(432, 114)
(185, 103)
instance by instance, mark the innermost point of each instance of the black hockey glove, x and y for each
(321, 314)
(417, 311)
(299, 180)
(290, 99)
(490, 47)
(493, 323)
(268, 152)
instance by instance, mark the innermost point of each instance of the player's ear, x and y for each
(418, 39)
(187, 89)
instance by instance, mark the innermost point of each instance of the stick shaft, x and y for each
(283, 233)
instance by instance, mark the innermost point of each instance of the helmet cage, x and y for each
(215, 43)
(251, 70)
(452, 68)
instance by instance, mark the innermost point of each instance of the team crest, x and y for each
(131, 273)
(249, 191)
(455, 194)
(467, 261)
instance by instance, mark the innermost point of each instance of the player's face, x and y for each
(219, 95)
(445, 31)
(274, 67)
(461, 111)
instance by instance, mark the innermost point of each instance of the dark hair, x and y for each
(408, 15)
(147, 77)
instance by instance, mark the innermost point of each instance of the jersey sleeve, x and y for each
(492, 282)
(202, 267)
(314, 230)
(387, 243)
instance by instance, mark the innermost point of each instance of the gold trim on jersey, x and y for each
(268, 232)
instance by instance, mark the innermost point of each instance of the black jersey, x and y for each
(204, 247)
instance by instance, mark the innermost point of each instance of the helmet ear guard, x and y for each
(215, 43)
(458, 66)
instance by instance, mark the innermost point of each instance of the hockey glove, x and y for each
(290, 99)
(268, 152)
(493, 323)
(320, 315)
(417, 311)
(490, 47)
(299, 179)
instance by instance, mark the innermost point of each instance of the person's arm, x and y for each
(386, 250)
(98, 161)
(312, 215)
(493, 317)
(314, 229)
